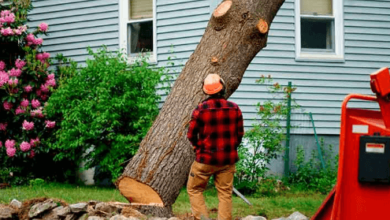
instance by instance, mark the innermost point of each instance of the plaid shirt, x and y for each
(216, 130)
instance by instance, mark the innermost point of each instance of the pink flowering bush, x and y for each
(26, 84)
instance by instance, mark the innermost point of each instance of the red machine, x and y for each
(363, 182)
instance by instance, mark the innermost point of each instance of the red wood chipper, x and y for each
(362, 190)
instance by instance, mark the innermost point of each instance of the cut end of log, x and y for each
(222, 9)
(262, 26)
(136, 192)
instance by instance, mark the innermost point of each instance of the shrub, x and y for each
(25, 85)
(264, 141)
(106, 109)
(310, 174)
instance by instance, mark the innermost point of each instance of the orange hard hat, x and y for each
(213, 84)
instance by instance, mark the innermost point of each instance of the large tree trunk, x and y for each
(236, 32)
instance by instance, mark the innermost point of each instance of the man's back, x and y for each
(216, 129)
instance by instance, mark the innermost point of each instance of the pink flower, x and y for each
(37, 113)
(20, 63)
(35, 142)
(3, 126)
(5, 13)
(1, 144)
(23, 28)
(9, 143)
(15, 72)
(50, 124)
(13, 82)
(30, 38)
(50, 82)
(25, 146)
(39, 56)
(46, 55)
(24, 103)
(51, 76)
(28, 88)
(38, 41)
(38, 92)
(3, 78)
(28, 126)
(7, 105)
(7, 31)
(32, 154)
(17, 31)
(10, 18)
(2, 65)
(44, 88)
(35, 103)
(43, 27)
(19, 111)
(11, 152)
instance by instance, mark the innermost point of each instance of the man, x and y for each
(215, 131)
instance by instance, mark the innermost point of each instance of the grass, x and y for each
(272, 207)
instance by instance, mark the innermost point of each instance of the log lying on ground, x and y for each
(232, 39)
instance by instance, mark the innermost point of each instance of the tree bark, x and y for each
(236, 32)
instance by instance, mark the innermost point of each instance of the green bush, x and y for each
(265, 140)
(310, 174)
(106, 109)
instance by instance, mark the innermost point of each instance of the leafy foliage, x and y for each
(264, 141)
(106, 109)
(310, 175)
(25, 85)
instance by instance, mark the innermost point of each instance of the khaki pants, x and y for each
(197, 182)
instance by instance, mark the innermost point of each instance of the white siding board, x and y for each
(173, 22)
(97, 11)
(182, 27)
(39, 4)
(71, 7)
(368, 4)
(70, 21)
(183, 13)
(183, 6)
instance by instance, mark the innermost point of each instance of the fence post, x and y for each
(287, 151)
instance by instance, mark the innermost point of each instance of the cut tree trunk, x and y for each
(236, 32)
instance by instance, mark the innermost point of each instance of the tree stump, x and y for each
(232, 39)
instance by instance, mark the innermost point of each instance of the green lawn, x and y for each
(273, 207)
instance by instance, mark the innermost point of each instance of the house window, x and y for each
(319, 30)
(138, 27)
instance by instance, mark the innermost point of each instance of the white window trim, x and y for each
(124, 21)
(338, 55)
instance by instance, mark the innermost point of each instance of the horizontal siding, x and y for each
(321, 86)
(75, 25)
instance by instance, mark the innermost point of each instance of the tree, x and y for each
(236, 32)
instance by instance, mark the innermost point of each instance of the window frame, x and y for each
(124, 20)
(321, 56)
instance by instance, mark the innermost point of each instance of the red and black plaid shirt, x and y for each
(216, 130)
